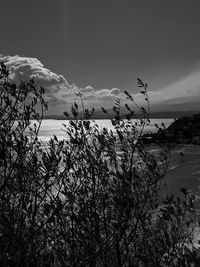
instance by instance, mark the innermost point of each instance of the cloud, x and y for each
(25, 67)
(59, 92)
(106, 93)
(57, 89)
(88, 88)
(56, 86)
(115, 91)
(187, 86)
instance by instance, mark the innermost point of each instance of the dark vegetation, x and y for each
(185, 130)
(89, 200)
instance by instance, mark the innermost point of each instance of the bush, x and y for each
(89, 200)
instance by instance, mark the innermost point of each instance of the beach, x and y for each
(184, 170)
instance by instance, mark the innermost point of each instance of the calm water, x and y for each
(55, 127)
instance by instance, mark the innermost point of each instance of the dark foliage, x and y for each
(88, 200)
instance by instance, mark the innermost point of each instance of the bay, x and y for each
(51, 127)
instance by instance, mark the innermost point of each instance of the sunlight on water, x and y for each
(49, 128)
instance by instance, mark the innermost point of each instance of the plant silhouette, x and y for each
(91, 199)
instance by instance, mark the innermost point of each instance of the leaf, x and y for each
(140, 83)
(104, 110)
(183, 190)
(66, 114)
(143, 110)
(74, 110)
(163, 125)
(75, 106)
(80, 94)
(128, 95)
(143, 92)
(116, 107)
(127, 107)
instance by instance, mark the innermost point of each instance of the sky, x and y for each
(101, 47)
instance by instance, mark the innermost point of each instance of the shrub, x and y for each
(89, 200)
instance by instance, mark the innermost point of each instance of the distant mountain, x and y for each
(180, 100)
(171, 108)
(110, 115)
(178, 104)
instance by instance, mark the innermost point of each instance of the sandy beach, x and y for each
(184, 170)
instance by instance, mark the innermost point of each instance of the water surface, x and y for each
(49, 128)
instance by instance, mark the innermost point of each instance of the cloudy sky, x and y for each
(101, 46)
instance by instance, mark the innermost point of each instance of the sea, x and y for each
(50, 127)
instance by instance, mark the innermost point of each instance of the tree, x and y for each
(89, 200)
